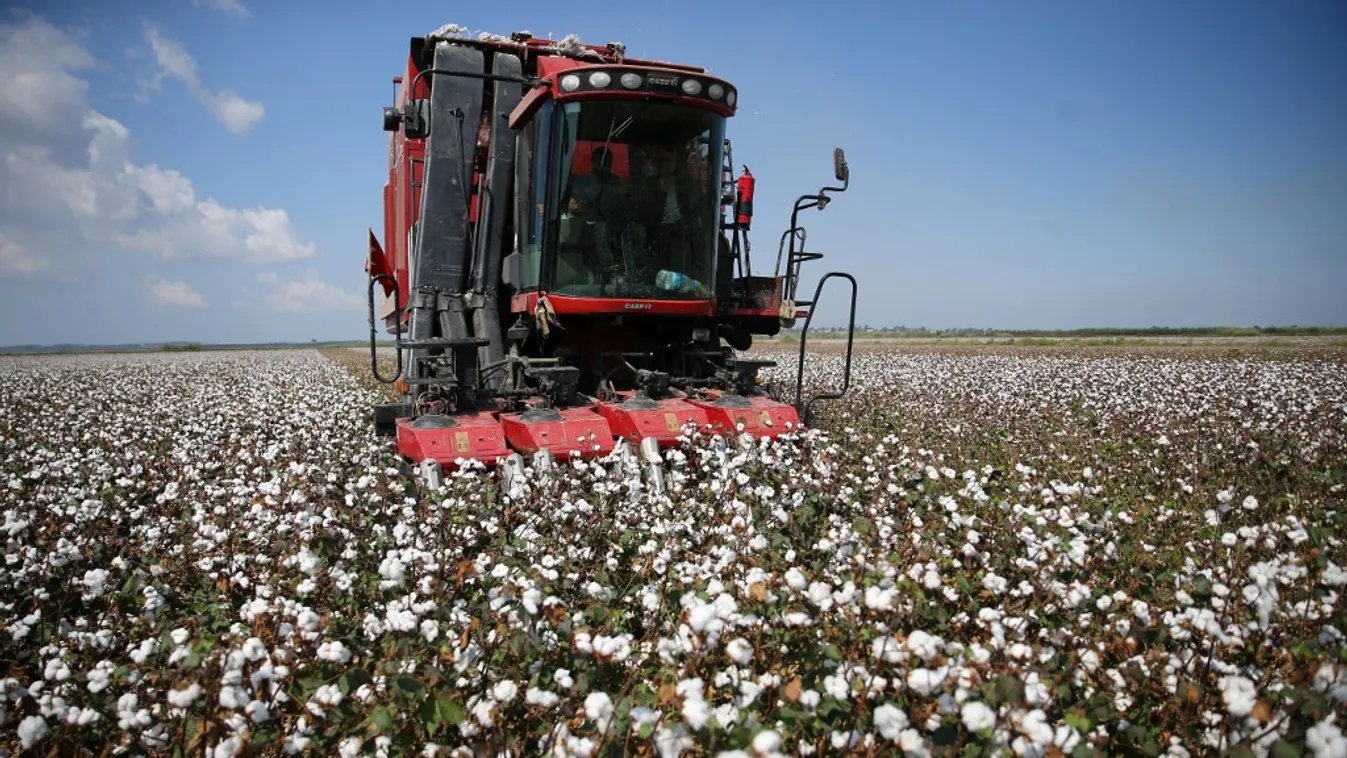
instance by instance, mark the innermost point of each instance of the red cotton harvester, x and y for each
(565, 264)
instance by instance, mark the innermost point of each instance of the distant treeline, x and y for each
(1154, 331)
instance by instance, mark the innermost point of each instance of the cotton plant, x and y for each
(1015, 551)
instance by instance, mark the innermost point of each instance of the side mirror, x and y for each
(840, 164)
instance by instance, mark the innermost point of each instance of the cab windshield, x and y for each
(638, 184)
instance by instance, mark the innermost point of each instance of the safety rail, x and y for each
(373, 331)
(804, 408)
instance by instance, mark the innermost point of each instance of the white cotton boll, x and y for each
(31, 731)
(702, 617)
(795, 578)
(430, 629)
(615, 648)
(544, 698)
(837, 687)
(650, 600)
(484, 711)
(599, 708)
(878, 599)
(887, 649)
(820, 595)
(94, 580)
(98, 677)
(923, 645)
(335, 651)
(890, 721)
(977, 716)
(254, 649)
(505, 690)
(739, 650)
(233, 697)
(1034, 728)
(1333, 575)
(695, 712)
(1239, 694)
(179, 698)
(924, 681)
(931, 579)
(530, 598)
(766, 742)
(1325, 739)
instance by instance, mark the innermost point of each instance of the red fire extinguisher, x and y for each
(745, 188)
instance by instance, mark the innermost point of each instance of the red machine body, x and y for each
(557, 264)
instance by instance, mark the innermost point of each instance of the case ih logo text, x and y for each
(637, 306)
(660, 80)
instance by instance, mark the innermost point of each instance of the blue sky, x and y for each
(206, 169)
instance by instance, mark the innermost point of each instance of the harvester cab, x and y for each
(565, 266)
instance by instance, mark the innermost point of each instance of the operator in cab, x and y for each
(591, 226)
(601, 191)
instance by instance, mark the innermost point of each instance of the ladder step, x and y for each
(434, 381)
(465, 342)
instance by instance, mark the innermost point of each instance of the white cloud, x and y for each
(228, 6)
(236, 114)
(70, 188)
(180, 294)
(310, 293)
(15, 260)
(40, 94)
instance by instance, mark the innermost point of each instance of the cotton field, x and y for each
(1007, 552)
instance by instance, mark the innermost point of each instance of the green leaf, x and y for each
(1202, 587)
(449, 711)
(1078, 721)
(832, 652)
(945, 735)
(309, 685)
(1004, 689)
(430, 715)
(382, 718)
(351, 680)
(830, 707)
(1284, 749)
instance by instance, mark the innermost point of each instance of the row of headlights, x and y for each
(631, 80)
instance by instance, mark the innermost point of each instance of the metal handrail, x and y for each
(804, 409)
(373, 332)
